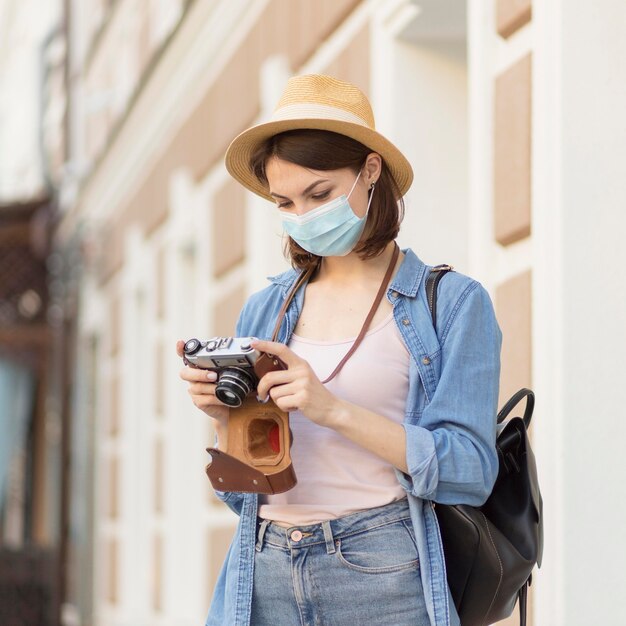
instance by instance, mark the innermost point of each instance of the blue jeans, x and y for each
(358, 569)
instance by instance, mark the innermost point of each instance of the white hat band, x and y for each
(316, 111)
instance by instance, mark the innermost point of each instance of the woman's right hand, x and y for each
(202, 390)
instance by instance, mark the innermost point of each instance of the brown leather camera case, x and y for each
(257, 459)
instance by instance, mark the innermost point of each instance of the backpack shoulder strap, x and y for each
(432, 282)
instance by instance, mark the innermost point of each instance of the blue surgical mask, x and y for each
(331, 229)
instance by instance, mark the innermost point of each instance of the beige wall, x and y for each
(511, 15)
(116, 44)
(512, 150)
(231, 104)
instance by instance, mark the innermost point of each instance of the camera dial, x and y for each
(191, 347)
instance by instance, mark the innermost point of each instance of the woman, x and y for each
(407, 421)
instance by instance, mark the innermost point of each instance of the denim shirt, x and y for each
(450, 421)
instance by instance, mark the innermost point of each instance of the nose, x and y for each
(298, 208)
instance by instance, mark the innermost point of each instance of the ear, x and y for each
(372, 168)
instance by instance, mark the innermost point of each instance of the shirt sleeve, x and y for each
(232, 499)
(451, 454)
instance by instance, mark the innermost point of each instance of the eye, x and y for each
(321, 195)
(284, 205)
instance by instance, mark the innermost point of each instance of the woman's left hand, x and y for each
(297, 388)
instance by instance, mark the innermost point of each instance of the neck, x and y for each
(349, 268)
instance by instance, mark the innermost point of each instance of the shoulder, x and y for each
(455, 287)
(278, 287)
(462, 301)
(452, 288)
(261, 307)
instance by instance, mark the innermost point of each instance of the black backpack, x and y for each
(491, 550)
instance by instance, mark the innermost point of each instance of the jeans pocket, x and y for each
(387, 548)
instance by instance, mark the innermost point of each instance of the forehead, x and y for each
(284, 176)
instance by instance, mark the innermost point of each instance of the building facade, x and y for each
(510, 113)
(32, 445)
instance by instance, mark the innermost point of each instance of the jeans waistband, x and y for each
(327, 532)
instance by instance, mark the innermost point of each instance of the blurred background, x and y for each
(121, 232)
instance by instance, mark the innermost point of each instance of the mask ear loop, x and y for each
(369, 202)
(371, 192)
(356, 180)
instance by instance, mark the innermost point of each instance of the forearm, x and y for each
(378, 434)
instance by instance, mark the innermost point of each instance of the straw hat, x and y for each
(318, 102)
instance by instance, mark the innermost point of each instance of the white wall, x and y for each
(431, 114)
(419, 96)
(593, 223)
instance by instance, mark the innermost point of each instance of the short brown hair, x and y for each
(325, 150)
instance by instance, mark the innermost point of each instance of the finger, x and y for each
(204, 402)
(283, 352)
(196, 389)
(287, 402)
(180, 344)
(283, 391)
(195, 374)
(208, 398)
(278, 377)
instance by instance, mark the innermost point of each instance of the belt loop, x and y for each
(262, 529)
(328, 536)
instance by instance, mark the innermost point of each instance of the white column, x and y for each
(590, 219)
(185, 429)
(548, 303)
(134, 486)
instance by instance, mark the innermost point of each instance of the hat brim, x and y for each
(240, 151)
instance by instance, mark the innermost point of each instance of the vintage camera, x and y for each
(239, 366)
(258, 457)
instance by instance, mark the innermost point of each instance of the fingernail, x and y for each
(211, 375)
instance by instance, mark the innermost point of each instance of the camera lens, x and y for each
(234, 385)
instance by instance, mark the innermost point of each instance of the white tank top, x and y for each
(336, 476)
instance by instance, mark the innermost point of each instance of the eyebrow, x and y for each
(309, 188)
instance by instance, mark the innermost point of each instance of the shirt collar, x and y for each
(409, 275)
(285, 279)
(406, 281)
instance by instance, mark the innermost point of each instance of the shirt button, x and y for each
(296, 535)
(394, 294)
(426, 361)
(405, 321)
